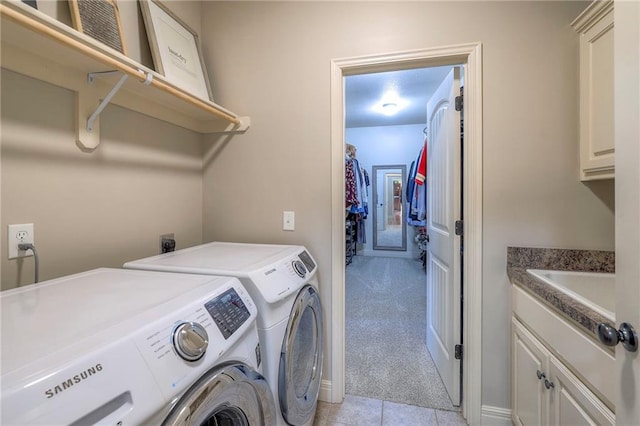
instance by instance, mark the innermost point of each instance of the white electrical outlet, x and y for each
(288, 221)
(20, 234)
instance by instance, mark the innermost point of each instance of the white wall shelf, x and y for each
(41, 47)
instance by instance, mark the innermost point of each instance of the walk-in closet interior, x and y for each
(386, 155)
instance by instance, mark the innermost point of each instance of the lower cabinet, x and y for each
(545, 391)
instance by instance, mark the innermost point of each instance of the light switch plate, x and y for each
(288, 221)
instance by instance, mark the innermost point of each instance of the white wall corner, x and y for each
(496, 416)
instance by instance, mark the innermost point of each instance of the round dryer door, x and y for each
(230, 394)
(300, 369)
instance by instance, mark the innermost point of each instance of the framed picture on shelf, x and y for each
(99, 19)
(175, 49)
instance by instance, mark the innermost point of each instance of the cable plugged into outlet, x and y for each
(17, 235)
(167, 243)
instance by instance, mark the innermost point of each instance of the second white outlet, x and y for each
(19, 234)
(288, 221)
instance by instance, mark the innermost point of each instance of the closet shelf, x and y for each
(41, 47)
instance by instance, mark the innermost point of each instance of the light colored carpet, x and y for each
(386, 352)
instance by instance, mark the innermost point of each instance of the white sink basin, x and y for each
(593, 289)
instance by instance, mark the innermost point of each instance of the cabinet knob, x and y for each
(609, 336)
(548, 384)
(540, 375)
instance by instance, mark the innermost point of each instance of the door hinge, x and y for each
(459, 227)
(459, 102)
(458, 352)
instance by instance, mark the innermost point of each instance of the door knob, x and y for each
(609, 336)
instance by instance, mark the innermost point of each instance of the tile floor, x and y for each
(361, 411)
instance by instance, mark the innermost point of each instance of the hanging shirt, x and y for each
(361, 185)
(411, 183)
(361, 190)
(366, 191)
(351, 197)
(421, 173)
(417, 202)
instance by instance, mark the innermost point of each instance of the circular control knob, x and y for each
(299, 267)
(190, 340)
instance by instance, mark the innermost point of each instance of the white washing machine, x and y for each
(123, 347)
(282, 281)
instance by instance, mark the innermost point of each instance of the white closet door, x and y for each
(443, 250)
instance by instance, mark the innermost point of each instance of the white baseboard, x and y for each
(325, 392)
(496, 416)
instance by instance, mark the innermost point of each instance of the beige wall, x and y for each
(92, 209)
(271, 60)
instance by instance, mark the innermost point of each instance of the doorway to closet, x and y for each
(470, 56)
(387, 120)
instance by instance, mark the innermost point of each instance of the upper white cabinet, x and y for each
(597, 149)
(41, 47)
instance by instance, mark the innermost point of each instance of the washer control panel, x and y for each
(228, 312)
(182, 345)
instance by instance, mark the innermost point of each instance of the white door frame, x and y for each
(471, 56)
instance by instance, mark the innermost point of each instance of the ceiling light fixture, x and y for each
(390, 104)
(390, 108)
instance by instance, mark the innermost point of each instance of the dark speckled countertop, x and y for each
(519, 259)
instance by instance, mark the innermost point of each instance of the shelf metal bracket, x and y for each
(91, 78)
(88, 137)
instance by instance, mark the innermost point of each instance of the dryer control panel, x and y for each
(307, 260)
(281, 278)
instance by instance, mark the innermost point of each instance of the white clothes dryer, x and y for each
(282, 281)
(123, 347)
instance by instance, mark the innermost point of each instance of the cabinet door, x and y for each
(572, 403)
(529, 359)
(596, 99)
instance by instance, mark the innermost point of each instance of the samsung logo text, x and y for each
(72, 381)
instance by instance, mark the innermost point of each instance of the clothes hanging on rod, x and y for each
(356, 192)
(350, 190)
(417, 189)
(356, 184)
